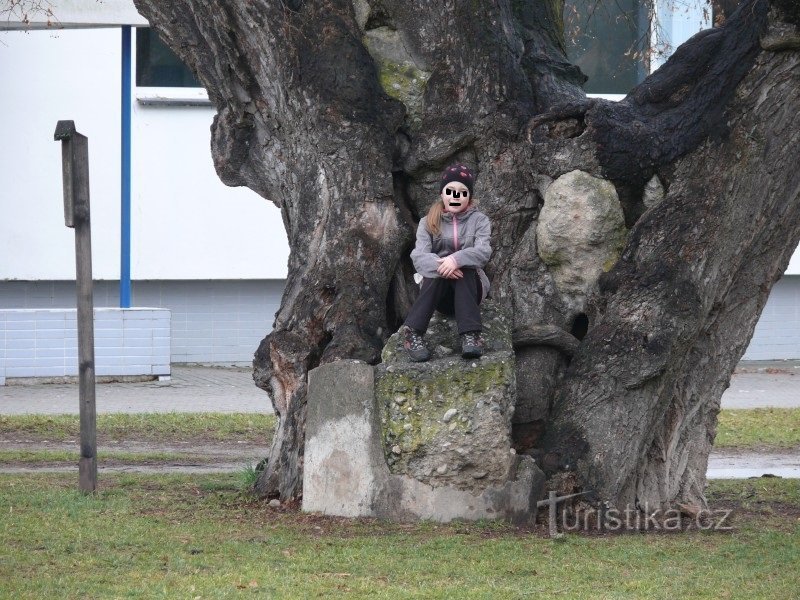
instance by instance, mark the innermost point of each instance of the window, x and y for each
(157, 65)
(606, 40)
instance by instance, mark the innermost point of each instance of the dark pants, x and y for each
(449, 296)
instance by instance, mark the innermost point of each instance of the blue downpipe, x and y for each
(125, 225)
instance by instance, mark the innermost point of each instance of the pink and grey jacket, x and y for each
(465, 237)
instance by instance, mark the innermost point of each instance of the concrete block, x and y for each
(115, 360)
(136, 359)
(112, 333)
(42, 353)
(48, 316)
(346, 473)
(102, 351)
(138, 335)
(231, 357)
(408, 499)
(28, 352)
(47, 362)
(161, 341)
(140, 369)
(27, 335)
(55, 371)
(105, 315)
(49, 334)
(162, 370)
(197, 335)
(17, 324)
(343, 463)
(12, 371)
(18, 314)
(17, 344)
(19, 362)
(200, 353)
(104, 370)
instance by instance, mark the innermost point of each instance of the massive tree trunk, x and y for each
(343, 113)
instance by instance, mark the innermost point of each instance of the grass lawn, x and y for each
(41, 458)
(761, 428)
(172, 536)
(144, 427)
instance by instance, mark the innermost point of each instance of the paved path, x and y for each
(759, 384)
(721, 464)
(190, 389)
(739, 465)
(217, 389)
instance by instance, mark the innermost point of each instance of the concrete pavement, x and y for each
(726, 464)
(190, 389)
(231, 389)
(721, 465)
(764, 383)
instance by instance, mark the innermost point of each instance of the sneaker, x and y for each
(471, 344)
(412, 342)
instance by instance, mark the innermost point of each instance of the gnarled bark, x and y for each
(343, 113)
(635, 417)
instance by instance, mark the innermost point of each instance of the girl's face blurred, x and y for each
(455, 196)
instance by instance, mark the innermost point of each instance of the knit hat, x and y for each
(457, 172)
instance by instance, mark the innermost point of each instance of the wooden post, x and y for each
(75, 168)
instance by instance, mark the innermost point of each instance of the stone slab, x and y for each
(345, 472)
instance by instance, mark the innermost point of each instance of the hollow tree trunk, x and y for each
(343, 114)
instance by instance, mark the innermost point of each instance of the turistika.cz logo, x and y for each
(608, 519)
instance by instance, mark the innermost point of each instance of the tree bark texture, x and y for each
(343, 114)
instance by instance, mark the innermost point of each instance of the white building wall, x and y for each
(185, 223)
(41, 87)
(777, 333)
(794, 263)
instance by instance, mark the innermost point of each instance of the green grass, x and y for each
(70, 457)
(763, 428)
(248, 476)
(145, 427)
(755, 492)
(144, 536)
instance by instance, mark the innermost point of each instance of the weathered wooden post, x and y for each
(75, 168)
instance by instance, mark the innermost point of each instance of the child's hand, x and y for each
(447, 266)
(457, 274)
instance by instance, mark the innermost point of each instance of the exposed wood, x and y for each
(546, 335)
(75, 159)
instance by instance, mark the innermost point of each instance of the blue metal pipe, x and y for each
(125, 207)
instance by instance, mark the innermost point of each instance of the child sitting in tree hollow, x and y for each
(451, 250)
